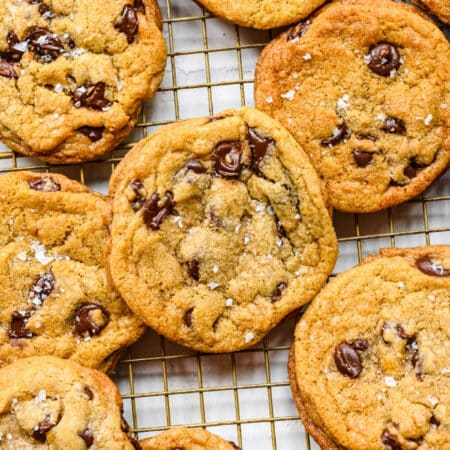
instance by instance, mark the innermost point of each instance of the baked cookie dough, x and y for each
(219, 230)
(262, 13)
(73, 74)
(370, 364)
(187, 439)
(440, 8)
(56, 298)
(371, 107)
(51, 403)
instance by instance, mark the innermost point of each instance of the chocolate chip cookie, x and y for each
(73, 75)
(370, 364)
(187, 439)
(219, 230)
(262, 14)
(56, 298)
(441, 8)
(52, 403)
(370, 108)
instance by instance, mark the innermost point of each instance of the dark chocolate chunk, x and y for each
(127, 23)
(140, 195)
(88, 437)
(139, 6)
(90, 320)
(278, 291)
(362, 158)
(44, 184)
(42, 428)
(389, 441)
(91, 96)
(340, 133)
(434, 421)
(298, 31)
(280, 229)
(13, 54)
(428, 267)
(227, 159)
(187, 319)
(45, 44)
(89, 392)
(259, 146)
(155, 213)
(195, 165)
(367, 137)
(193, 269)
(93, 133)
(42, 288)
(360, 344)
(7, 70)
(18, 325)
(394, 126)
(43, 9)
(412, 348)
(401, 332)
(384, 58)
(347, 360)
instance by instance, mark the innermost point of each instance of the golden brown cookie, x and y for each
(370, 364)
(73, 75)
(262, 13)
(219, 230)
(187, 439)
(56, 298)
(370, 108)
(440, 8)
(51, 403)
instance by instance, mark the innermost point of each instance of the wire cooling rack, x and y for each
(244, 396)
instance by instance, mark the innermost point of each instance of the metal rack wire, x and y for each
(245, 396)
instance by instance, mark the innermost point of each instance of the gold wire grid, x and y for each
(243, 396)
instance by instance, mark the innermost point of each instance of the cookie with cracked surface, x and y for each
(56, 298)
(440, 8)
(262, 14)
(52, 403)
(370, 363)
(187, 439)
(73, 75)
(219, 230)
(371, 109)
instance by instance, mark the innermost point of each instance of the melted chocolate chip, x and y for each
(384, 58)
(154, 213)
(360, 344)
(195, 165)
(434, 421)
(340, 133)
(347, 360)
(389, 441)
(127, 23)
(394, 126)
(298, 31)
(45, 44)
(259, 146)
(140, 195)
(42, 428)
(278, 291)
(139, 6)
(410, 171)
(187, 319)
(44, 184)
(13, 54)
(193, 269)
(280, 229)
(42, 288)
(43, 9)
(85, 320)
(88, 437)
(362, 158)
(367, 137)
(428, 267)
(91, 96)
(93, 133)
(18, 325)
(89, 392)
(227, 159)
(7, 70)
(401, 332)
(412, 349)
